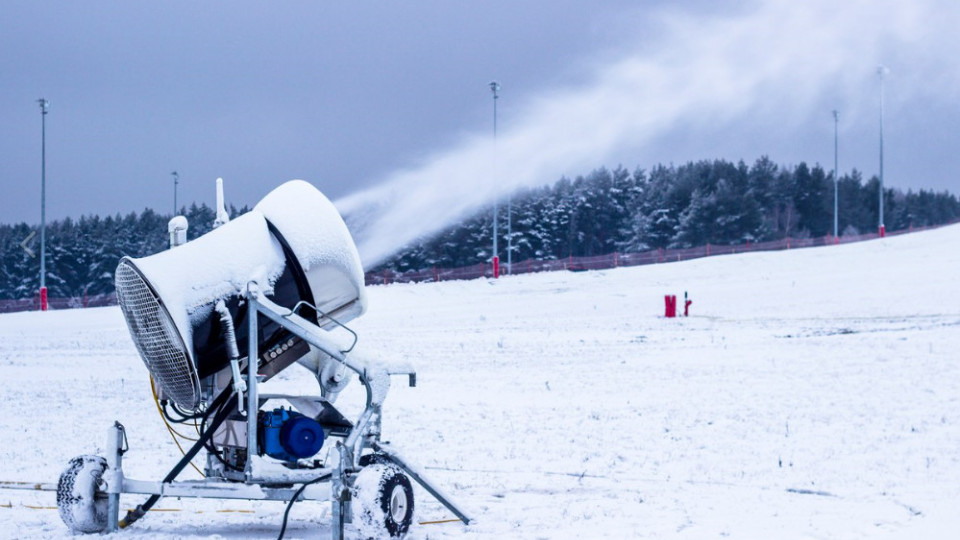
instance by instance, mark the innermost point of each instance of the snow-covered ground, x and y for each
(812, 394)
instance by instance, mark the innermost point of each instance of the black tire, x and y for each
(83, 507)
(382, 502)
(375, 459)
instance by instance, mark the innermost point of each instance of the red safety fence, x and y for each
(574, 264)
(614, 260)
(33, 304)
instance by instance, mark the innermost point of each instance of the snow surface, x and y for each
(812, 394)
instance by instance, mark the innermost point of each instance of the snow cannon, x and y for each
(293, 245)
(216, 318)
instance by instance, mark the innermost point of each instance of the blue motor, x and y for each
(288, 435)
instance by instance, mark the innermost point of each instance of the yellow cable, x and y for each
(173, 434)
(220, 511)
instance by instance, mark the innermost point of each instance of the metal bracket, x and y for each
(239, 385)
(327, 316)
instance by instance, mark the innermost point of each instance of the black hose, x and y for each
(286, 513)
(180, 416)
(221, 415)
(177, 416)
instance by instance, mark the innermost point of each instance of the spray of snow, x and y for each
(780, 61)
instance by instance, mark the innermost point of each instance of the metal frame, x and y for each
(364, 434)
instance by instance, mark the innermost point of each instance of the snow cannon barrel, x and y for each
(294, 245)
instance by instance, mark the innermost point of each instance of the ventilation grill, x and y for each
(156, 337)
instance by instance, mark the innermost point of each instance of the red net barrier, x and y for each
(614, 260)
(31, 304)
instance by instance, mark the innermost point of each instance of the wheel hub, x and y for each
(398, 503)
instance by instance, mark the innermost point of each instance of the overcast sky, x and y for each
(352, 95)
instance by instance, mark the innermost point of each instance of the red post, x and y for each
(686, 304)
(496, 267)
(43, 298)
(883, 231)
(671, 305)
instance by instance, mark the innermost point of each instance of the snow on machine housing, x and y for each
(262, 290)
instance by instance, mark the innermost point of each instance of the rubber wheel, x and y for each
(382, 502)
(375, 459)
(83, 507)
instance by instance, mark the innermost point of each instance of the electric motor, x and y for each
(288, 435)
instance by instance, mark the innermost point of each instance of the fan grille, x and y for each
(160, 345)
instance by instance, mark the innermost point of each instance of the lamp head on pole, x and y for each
(494, 87)
(44, 105)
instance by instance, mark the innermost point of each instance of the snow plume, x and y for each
(692, 85)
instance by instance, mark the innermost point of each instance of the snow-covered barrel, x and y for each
(294, 245)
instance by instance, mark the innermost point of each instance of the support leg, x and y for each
(114, 475)
(336, 524)
(340, 493)
(417, 477)
(253, 398)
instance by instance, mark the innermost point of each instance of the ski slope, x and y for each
(812, 394)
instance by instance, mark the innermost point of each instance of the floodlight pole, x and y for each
(509, 211)
(495, 88)
(836, 179)
(881, 71)
(44, 105)
(176, 181)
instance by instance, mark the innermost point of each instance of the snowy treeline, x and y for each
(82, 255)
(716, 202)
